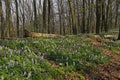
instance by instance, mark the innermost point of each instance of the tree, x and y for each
(74, 29)
(49, 15)
(58, 16)
(108, 11)
(17, 18)
(92, 20)
(8, 18)
(116, 11)
(119, 33)
(61, 16)
(103, 16)
(35, 15)
(52, 18)
(88, 21)
(44, 16)
(78, 15)
(83, 18)
(98, 16)
(22, 13)
(2, 19)
(118, 14)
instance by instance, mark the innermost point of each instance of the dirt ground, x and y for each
(110, 71)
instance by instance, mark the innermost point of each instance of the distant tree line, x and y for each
(58, 16)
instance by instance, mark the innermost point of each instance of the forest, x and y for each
(59, 39)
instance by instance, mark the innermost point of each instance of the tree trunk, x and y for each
(23, 16)
(88, 21)
(118, 5)
(53, 19)
(8, 17)
(119, 33)
(108, 16)
(49, 15)
(35, 16)
(78, 16)
(44, 16)
(98, 16)
(83, 17)
(116, 12)
(74, 29)
(59, 9)
(103, 15)
(2, 19)
(17, 18)
(92, 20)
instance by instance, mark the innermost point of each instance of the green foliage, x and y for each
(21, 64)
(18, 58)
(112, 46)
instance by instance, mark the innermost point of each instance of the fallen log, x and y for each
(37, 35)
(111, 37)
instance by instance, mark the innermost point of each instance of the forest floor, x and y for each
(111, 70)
(86, 57)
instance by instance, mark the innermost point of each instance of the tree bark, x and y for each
(116, 11)
(49, 15)
(17, 18)
(44, 16)
(119, 33)
(8, 17)
(98, 16)
(35, 16)
(108, 16)
(103, 15)
(83, 17)
(2, 19)
(88, 21)
(74, 29)
(92, 20)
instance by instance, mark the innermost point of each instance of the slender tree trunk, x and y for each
(49, 15)
(22, 19)
(17, 18)
(35, 16)
(2, 19)
(74, 29)
(118, 14)
(98, 16)
(92, 20)
(53, 19)
(60, 15)
(44, 16)
(69, 21)
(78, 16)
(108, 16)
(88, 21)
(103, 15)
(8, 17)
(23, 16)
(119, 33)
(63, 16)
(116, 11)
(83, 17)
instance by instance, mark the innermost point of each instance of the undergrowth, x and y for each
(58, 57)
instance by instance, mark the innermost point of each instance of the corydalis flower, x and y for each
(11, 63)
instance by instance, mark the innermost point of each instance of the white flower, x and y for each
(2, 77)
(11, 63)
(29, 75)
